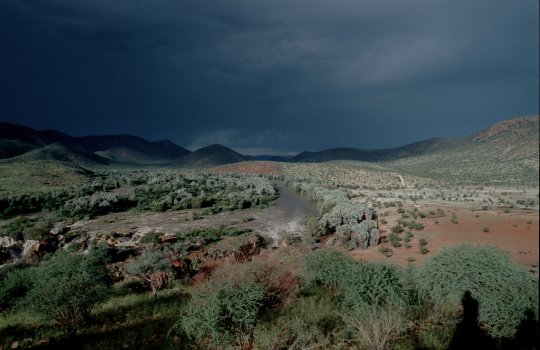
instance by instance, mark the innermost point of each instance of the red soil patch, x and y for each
(254, 167)
(515, 232)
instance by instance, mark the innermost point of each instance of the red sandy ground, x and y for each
(508, 231)
(252, 167)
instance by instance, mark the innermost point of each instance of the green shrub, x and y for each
(328, 268)
(312, 223)
(385, 251)
(69, 286)
(15, 227)
(413, 225)
(504, 290)
(356, 284)
(96, 204)
(394, 237)
(152, 237)
(223, 315)
(225, 311)
(397, 229)
(311, 323)
(15, 282)
(152, 268)
(373, 284)
(395, 244)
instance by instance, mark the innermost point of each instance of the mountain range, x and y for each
(17, 139)
(513, 141)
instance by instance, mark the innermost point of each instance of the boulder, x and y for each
(29, 247)
(58, 229)
(6, 242)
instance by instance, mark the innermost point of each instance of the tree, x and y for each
(152, 268)
(67, 287)
(504, 290)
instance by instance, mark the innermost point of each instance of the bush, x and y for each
(69, 286)
(360, 235)
(15, 282)
(397, 229)
(151, 237)
(312, 323)
(376, 327)
(225, 311)
(152, 268)
(96, 204)
(504, 290)
(413, 225)
(355, 284)
(386, 251)
(15, 228)
(312, 223)
(224, 315)
(328, 268)
(372, 284)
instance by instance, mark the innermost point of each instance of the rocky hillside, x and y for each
(507, 152)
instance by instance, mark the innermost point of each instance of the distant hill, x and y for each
(510, 130)
(507, 152)
(128, 148)
(39, 175)
(59, 152)
(413, 149)
(270, 158)
(210, 156)
(13, 148)
(118, 148)
(9, 131)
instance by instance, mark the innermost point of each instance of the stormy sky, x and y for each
(268, 76)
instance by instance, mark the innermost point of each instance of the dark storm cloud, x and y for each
(272, 76)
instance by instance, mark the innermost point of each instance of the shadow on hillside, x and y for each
(148, 334)
(468, 334)
(139, 325)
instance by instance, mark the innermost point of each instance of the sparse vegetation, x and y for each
(200, 242)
